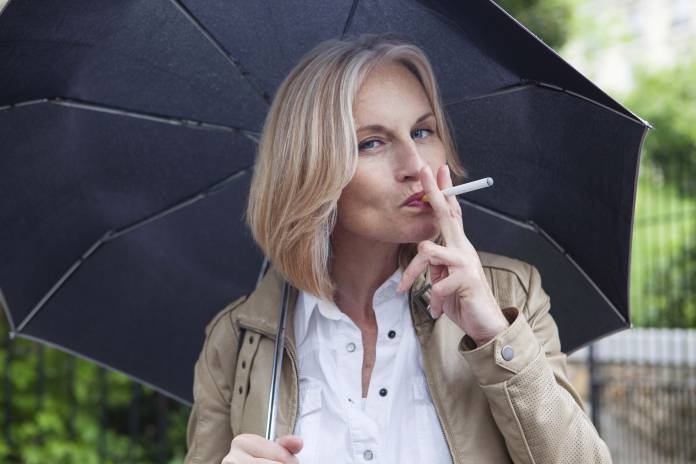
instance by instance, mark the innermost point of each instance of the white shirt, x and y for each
(397, 422)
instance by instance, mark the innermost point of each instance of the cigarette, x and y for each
(464, 188)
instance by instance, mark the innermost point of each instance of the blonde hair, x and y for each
(308, 153)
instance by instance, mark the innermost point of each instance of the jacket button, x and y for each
(391, 334)
(383, 392)
(507, 352)
(350, 347)
(367, 455)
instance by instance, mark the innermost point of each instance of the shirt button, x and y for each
(367, 455)
(391, 334)
(383, 392)
(507, 352)
(350, 347)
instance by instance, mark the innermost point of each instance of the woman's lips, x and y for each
(415, 198)
(418, 204)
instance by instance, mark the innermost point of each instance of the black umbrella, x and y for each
(128, 131)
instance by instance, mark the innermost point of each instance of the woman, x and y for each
(404, 343)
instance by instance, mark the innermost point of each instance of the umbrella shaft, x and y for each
(277, 366)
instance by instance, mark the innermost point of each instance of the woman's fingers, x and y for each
(449, 219)
(292, 443)
(247, 445)
(429, 254)
(440, 291)
(444, 181)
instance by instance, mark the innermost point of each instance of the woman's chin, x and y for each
(418, 234)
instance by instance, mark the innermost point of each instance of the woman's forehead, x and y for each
(389, 92)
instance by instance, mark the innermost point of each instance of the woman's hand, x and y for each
(459, 286)
(250, 448)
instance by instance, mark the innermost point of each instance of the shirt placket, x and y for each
(347, 342)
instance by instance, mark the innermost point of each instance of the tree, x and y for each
(548, 19)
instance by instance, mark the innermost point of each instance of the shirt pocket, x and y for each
(429, 436)
(309, 421)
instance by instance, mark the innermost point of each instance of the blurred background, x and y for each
(639, 385)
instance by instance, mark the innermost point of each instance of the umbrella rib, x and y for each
(262, 271)
(243, 72)
(104, 365)
(601, 105)
(91, 106)
(349, 19)
(534, 227)
(4, 7)
(8, 313)
(498, 214)
(574, 263)
(59, 284)
(210, 190)
(559, 57)
(526, 83)
(521, 85)
(112, 234)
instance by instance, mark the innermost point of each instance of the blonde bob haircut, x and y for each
(308, 153)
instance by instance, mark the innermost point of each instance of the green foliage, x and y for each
(663, 264)
(548, 19)
(668, 100)
(46, 425)
(664, 245)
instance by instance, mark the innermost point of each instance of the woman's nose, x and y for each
(410, 161)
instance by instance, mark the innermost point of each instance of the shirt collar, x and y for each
(308, 302)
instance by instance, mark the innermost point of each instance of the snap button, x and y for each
(350, 347)
(367, 455)
(391, 334)
(507, 353)
(383, 392)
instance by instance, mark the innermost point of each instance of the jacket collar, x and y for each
(260, 311)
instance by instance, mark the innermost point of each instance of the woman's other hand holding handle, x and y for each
(248, 448)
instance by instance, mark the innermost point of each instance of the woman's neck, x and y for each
(358, 268)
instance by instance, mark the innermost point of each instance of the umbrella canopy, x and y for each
(128, 132)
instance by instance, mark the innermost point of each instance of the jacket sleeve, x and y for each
(209, 432)
(522, 372)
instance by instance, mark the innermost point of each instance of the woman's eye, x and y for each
(368, 145)
(422, 131)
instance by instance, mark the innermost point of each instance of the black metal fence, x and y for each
(642, 394)
(59, 409)
(647, 413)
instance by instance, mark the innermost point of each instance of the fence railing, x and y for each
(643, 394)
(673, 347)
(57, 408)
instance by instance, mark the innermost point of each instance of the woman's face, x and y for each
(397, 136)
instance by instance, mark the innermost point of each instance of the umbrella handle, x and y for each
(277, 366)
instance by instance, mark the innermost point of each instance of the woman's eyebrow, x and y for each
(380, 128)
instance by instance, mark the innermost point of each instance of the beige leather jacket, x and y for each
(492, 410)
